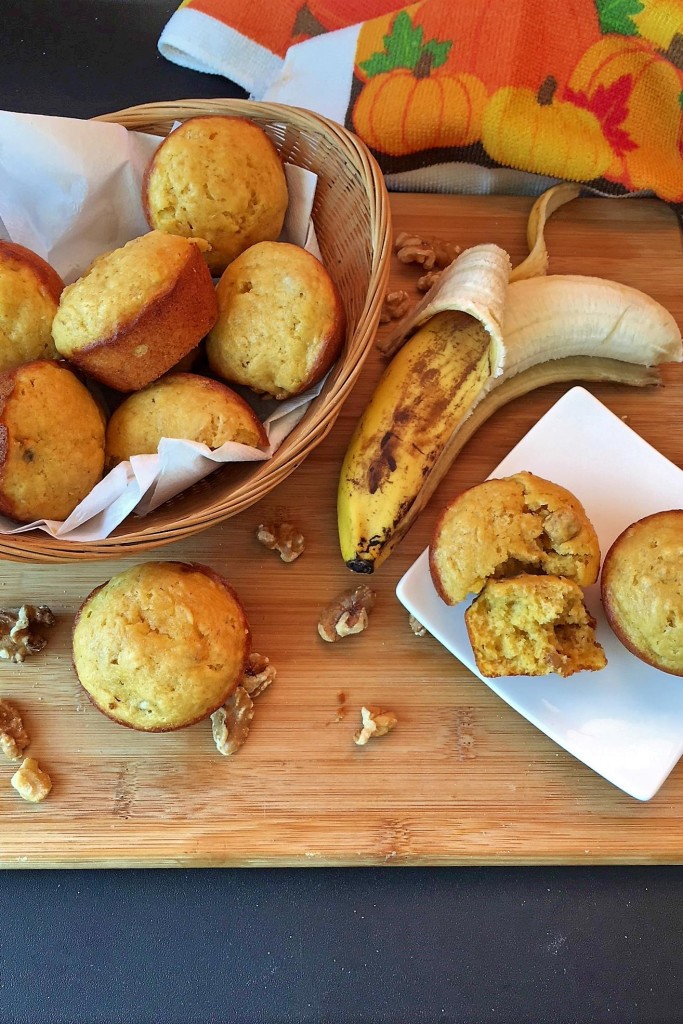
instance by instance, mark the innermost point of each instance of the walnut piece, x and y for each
(347, 615)
(395, 306)
(31, 782)
(258, 675)
(428, 280)
(375, 723)
(561, 526)
(416, 626)
(230, 724)
(19, 631)
(13, 737)
(428, 252)
(282, 537)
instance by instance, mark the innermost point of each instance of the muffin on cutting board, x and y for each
(280, 323)
(504, 527)
(51, 442)
(29, 296)
(182, 405)
(137, 310)
(218, 178)
(642, 589)
(161, 645)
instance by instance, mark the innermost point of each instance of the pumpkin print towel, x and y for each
(467, 95)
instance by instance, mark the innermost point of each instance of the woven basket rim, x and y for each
(39, 546)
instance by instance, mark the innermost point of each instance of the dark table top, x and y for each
(364, 946)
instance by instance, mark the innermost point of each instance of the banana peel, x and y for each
(480, 342)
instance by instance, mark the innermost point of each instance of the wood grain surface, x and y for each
(462, 779)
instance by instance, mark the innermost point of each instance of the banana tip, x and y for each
(360, 565)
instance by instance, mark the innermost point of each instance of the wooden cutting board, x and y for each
(463, 779)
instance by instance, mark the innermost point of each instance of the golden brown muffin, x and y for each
(51, 442)
(517, 524)
(161, 645)
(642, 590)
(280, 321)
(182, 405)
(532, 626)
(137, 311)
(29, 296)
(218, 178)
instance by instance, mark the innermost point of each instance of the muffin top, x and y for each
(642, 589)
(220, 178)
(29, 296)
(117, 287)
(51, 441)
(502, 527)
(280, 322)
(182, 405)
(161, 645)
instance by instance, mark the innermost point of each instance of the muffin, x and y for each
(500, 528)
(642, 590)
(181, 405)
(532, 626)
(137, 311)
(161, 645)
(280, 323)
(29, 296)
(219, 178)
(51, 442)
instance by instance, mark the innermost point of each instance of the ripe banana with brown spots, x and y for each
(551, 329)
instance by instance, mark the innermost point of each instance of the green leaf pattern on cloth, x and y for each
(616, 16)
(404, 48)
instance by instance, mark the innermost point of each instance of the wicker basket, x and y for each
(352, 221)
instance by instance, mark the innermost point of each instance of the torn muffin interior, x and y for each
(533, 626)
(510, 526)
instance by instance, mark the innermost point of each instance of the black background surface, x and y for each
(363, 946)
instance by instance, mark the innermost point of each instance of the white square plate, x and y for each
(626, 721)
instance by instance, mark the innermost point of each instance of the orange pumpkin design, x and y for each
(492, 42)
(635, 93)
(406, 105)
(530, 131)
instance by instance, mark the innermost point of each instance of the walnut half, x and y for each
(395, 306)
(13, 737)
(375, 723)
(20, 631)
(258, 674)
(230, 724)
(428, 252)
(31, 782)
(283, 537)
(347, 615)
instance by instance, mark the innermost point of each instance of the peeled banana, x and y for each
(541, 329)
(431, 384)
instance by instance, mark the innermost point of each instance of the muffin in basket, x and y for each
(51, 441)
(642, 589)
(218, 178)
(161, 645)
(503, 527)
(532, 626)
(183, 405)
(280, 323)
(29, 296)
(137, 310)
